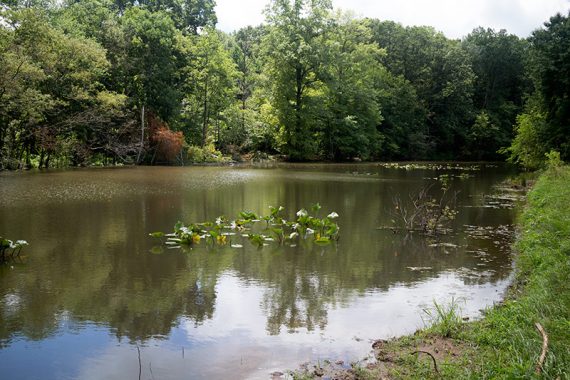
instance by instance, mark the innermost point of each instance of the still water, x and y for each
(92, 289)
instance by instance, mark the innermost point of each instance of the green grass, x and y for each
(505, 344)
(509, 342)
(444, 320)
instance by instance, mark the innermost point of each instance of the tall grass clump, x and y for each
(444, 319)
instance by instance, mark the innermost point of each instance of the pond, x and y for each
(93, 290)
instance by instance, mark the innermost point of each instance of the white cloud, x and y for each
(456, 18)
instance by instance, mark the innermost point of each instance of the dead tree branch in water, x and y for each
(424, 211)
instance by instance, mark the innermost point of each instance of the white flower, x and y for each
(302, 212)
(219, 220)
(296, 226)
(332, 215)
(293, 235)
(310, 231)
(233, 226)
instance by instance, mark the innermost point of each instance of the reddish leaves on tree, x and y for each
(168, 144)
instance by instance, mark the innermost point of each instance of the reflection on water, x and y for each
(91, 287)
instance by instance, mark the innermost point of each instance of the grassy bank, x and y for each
(506, 343)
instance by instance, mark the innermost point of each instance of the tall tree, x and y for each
(190, 16)
(294, 47)
(149, 71)
(53, 87)
(497, 60)
(544, 125)
(442, 76)
(245, 52)
(404, 126)
(351, 71)
(209, 84)
(550, 55)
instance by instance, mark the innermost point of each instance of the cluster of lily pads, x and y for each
(259, 230)
(431, 166)
(10, 249)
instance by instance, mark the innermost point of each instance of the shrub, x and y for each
(209, 153)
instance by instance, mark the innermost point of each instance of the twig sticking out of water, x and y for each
(544, 347)
(432, 358)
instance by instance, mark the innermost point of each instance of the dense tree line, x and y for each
(118, 81)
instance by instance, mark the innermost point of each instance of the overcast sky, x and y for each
(455, 18)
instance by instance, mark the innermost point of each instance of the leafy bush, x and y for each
(198, 155)
(168, 144)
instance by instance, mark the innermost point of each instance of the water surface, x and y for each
(91, 291)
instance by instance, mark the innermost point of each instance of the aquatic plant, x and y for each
(10, 249)
(433, 166)
(259, 230)
(425, 212)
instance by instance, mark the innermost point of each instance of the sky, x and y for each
(455, 18)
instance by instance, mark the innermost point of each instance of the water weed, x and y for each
(259, 230)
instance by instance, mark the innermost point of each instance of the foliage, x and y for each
(151, 41)
(527, 148)
(441, 74)
(207, 154)
(404, 127)
(484, 133)
(168, 144)
(294, 47)
(81, 79)
(498, 61)
(51, 88)
(189, 15)
(550, 65)
(545, 122)
(209, 85)
(553, 161)
(222, 230)
(352, 111)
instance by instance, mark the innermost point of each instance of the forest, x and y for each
(103, 82)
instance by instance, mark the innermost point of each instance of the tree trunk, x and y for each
(3, 127)
(41, 158)
(205, 116)
(298, 97)
(142, 136)
(28, 160)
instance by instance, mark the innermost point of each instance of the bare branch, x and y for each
(544, 347)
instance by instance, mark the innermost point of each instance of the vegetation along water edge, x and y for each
(101, 82)
(525, 336)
